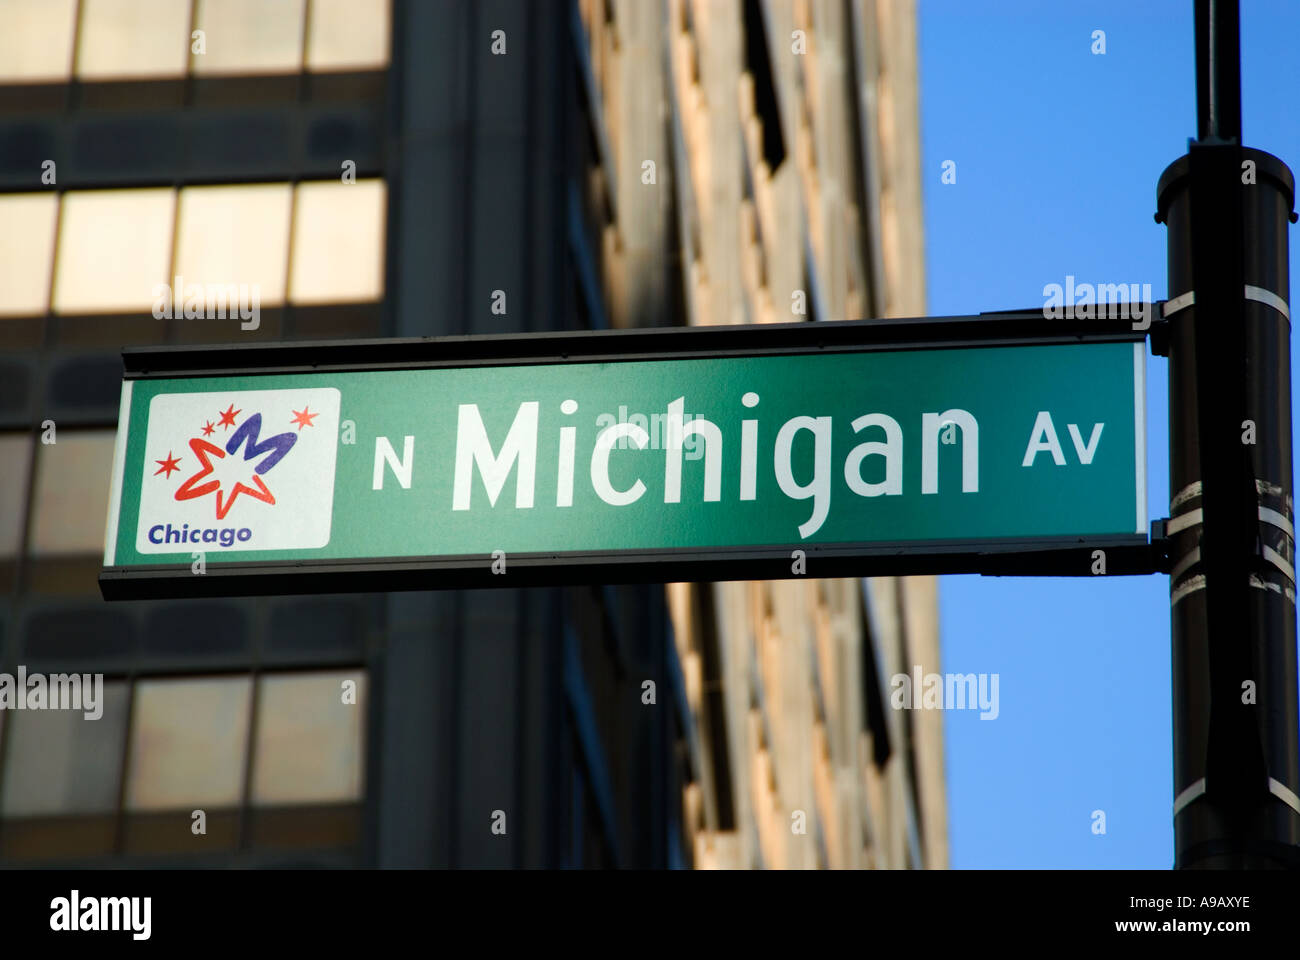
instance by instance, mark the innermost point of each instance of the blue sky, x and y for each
(1057, 153)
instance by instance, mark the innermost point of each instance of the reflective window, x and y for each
(71, 496)
(43, 41)
(133, 38)
(309, 741)
(338, 232)
(46, 61)
(61, 761)
(15, 460)
(250, 36)
(235, 234)
(114, 248)
(188, 743)
(348, 34)
(27, 223)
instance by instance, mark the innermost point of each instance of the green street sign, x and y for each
(510, 461)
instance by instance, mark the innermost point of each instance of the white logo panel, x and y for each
(239, 470)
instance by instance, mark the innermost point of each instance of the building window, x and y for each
(71, 497)
(26, 251)
(15, 464)
(153, 39)
(249, 36)
(133, 39)
(60, 762)
(187, 743)
(114, 248)
(130, 782)
(236, 235)
(48, 61)
(347, 35)
(338, 234)
(309, 739)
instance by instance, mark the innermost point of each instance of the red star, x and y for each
(303, 418)
(264, 495)
(168, 465)
(202, 449)
(207, 429)
(228, 416)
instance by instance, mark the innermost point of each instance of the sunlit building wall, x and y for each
(765, 160)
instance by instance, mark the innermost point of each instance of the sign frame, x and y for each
(1047, 556)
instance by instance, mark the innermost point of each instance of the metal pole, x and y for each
(1232, 542)
(1218, 71)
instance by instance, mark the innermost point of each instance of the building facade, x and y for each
(404, 168)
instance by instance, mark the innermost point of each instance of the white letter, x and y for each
(1085, 453)
(384, 452)
(92, 692)
(1052, 305)
(564, 481)
(162, 301)
(568, 440)
(1043, 427)
(673, 455)
(891, 449)
(521, 444)
(250, 306)
(819, 488)
(970, 450)
(989, 697)
(900, 698)
(59, 918)
(143, 917)
(748, 450)
(600, 464)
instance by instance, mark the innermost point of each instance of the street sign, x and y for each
(736, 453)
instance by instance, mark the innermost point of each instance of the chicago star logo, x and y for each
(260, 457)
